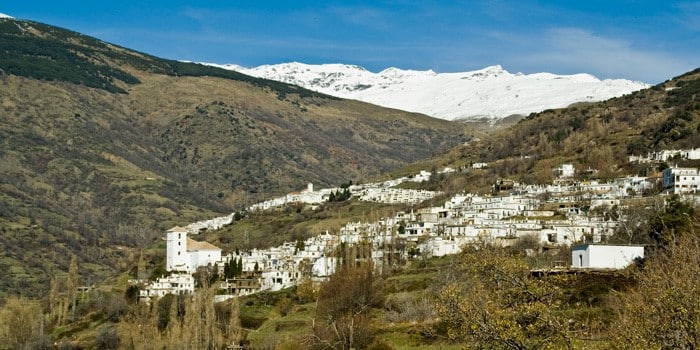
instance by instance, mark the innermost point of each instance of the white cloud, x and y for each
(573, 48)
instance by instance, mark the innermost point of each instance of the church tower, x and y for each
(176, 249)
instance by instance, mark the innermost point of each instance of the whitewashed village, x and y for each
(553, 215)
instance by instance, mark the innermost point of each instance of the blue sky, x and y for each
(650, 41)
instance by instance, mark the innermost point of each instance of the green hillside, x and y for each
(598, 137)
(40, 51)
(103, 148)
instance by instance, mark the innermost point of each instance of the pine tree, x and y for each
(228, 270)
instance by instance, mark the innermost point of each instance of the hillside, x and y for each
(597, 137)
(102, 148)
(489, 94)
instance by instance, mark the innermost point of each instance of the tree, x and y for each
(233, 268)
(675, 217)
(633, 222)
(131, 295)
(206, 275)
(183, 322)
(299, 246)
(72, 285)
(343, 312)
(340, 196)
(663, 310)
(496, 305)
(20, 322)
(228, 270)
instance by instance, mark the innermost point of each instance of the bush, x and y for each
(107, 338)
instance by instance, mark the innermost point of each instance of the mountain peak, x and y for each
(495, 69)
(2, 15)
(490, 92)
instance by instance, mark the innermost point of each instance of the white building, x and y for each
(395, 195)
(186, 255)
(681, 180)
(604, 256)
(324, 266)
(212, 224)
(279, 279)
(665, 155)
(173, 284)
(421, 177)
(307, 196)
(565, 170)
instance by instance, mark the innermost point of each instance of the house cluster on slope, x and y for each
(666, 155)
(551, 214)
(384, 192)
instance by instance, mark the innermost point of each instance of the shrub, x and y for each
(107, 338)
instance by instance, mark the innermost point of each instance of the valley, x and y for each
(323, 222)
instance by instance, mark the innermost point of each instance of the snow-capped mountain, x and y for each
(491, 92)
(2, 15)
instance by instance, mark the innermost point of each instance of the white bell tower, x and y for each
(177, 258)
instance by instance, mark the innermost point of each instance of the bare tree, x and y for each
(343, 308)
(20, 322)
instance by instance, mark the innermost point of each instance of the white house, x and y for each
(275, 280)
(173, 284)
(604, 256)
(185, 254)
(565, 170)
(681, 180)
(324, 266)
(665, 155)
(308, 196)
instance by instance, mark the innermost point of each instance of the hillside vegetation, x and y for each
(103, 148)
(597, 137)
(40, 51)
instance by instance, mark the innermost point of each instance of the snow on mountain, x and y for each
(2, 15)
(491, 92)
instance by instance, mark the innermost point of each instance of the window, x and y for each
(580, 260)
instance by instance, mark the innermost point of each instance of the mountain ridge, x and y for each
(491, 92)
